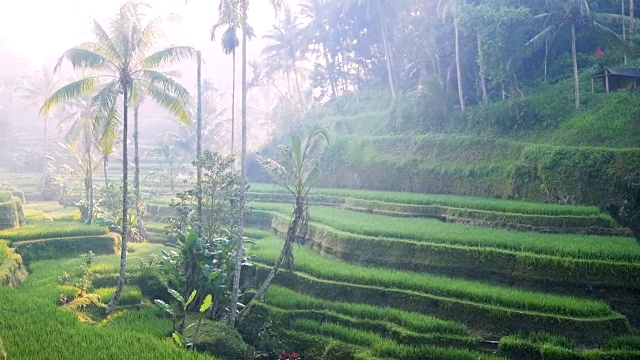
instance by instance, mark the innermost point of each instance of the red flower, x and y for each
(294, 356)
(284, 355)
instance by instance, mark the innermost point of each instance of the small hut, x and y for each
(617, 78)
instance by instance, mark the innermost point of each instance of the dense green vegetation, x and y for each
(129, 333)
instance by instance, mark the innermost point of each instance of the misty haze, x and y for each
(320, 179)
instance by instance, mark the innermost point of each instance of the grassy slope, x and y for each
(430, 230)
(34, 317)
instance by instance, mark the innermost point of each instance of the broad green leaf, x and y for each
(191, 297)
(176, 296)
(164, 306)
(178, 339)
(206, 304)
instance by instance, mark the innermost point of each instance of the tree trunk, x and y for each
(90, 184)
(330, 71)
(632, 14)
(624, 28)
(233, 102)
(285, 253)
(136, 160)
(387, 51)
(105, 161)
(125, 173)
(574, 56)
(199, 135)
(458, 65)
(483, 81)
(295, 75)
(233, 312)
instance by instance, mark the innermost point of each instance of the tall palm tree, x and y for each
(38, 88)
(277, 5)
(286, 50)
(229, 17)
(297, 170)
(122, 55)
(81, 137)
(568, 14)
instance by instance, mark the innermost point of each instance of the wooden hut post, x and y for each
(606, 79)
(592, 86)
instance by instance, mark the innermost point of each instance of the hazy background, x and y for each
(36, 32)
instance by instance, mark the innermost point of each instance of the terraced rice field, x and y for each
(370, 284)
(358, 267)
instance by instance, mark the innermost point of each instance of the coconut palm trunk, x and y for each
(574, 57)
(330, 69)
(136, 155)
(483, 80)
(286, 254)
(199, 133)
(387, 51)
(456, 31)
(233, 313)
(125, 216)
(233, 102)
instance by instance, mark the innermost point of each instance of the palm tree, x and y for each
(277, 5)
(315, 32)
(297, 170)
(81, 137)
(285, 51)
(121, 53)
(229, 17)
(563, 14)
(38, 88)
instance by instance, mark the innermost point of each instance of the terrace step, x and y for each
(494, 320)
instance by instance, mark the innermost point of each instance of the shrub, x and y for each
(67, 247)
(218, 339)
(11, 214)
(131, 295)
(5, 196)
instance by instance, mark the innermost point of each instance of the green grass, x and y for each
(47, 230)
(4, 250)
(155, 226)
(430, 230)
(35, 327)
(5, 196)
(457, 201)
(288, 299)
(267, 250)
(44, 206)
(131, 295)
(146, 320)
(379, 346)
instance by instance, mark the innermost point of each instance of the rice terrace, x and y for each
(320, 180)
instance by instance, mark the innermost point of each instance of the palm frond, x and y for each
(70, 91)
(537, 41)
(168, 84)
(105, 42)
(170, 102)
(107, 116)
(84, 56)
(168, 56)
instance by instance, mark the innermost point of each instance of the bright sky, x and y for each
(40, 30)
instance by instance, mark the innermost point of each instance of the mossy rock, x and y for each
(218, 339)
(11, 214)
